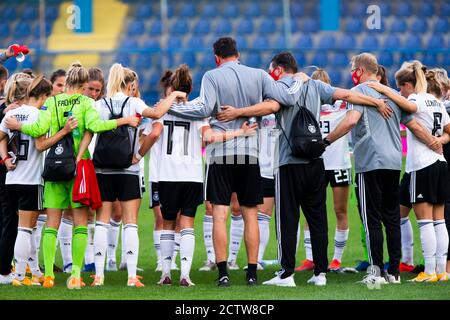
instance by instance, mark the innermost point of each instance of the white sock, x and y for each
(100, 245)
(187, 245)
(131, 248)
(167, 249)
(157, 244)
(407, 241)
(89, 254)
(123, 259)
(340, 240)
(65, 241)
(428, 240)
(308, 246)
(299, 230)
(33, 260)
(441, 245)
(113, 239)
(236, 232)
(207, 237)
(41, 221)
(264, 234)
(22, 251)
(177, 246)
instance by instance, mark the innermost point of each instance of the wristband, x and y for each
(138, 156)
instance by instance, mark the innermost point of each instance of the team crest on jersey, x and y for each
(43, 108)
(59, 150)
(311, 128)
(155, 196)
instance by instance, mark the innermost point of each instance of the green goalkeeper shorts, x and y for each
(58, 195)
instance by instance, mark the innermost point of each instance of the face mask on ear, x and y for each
(217, 61)
(275, 75)
(355, 78)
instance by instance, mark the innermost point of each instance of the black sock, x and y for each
(222, 267)
(251, 270)
(284, 274)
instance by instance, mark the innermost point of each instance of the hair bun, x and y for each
(76, 64)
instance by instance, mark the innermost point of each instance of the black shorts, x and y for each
(405, 198)
(240, 174)
(153, 195)
(430, 184)
(142, 184)
(183, 197)
(25, 197)
(122, 187)
(268, 187)
(339, 178)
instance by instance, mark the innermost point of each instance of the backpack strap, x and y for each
(304, 97)
(123, 106)
(57, 116)
(284, 132)
(109, 106)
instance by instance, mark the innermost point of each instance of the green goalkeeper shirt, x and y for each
(56, 110)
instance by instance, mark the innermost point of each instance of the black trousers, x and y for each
(301, 185)
(8, 221)
(377, 192)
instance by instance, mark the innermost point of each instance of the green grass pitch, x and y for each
(340, 286)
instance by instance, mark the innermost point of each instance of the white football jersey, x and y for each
(180, 157)
(337, 155)
(154, 155)
(431, 114)
(267, 141)
(29, 160)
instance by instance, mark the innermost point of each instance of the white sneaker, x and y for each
(111, 266)
(186, 282)
(174, 266)
(277, 281)
(373, 280)
(232, 265)
(165, 280)
(6, 279)
(320, 280)
(208, 266)
(392, 279)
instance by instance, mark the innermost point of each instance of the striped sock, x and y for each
(167, 249)
(113, 239)
(65, 240)
(42, 219)
(236, 232)
(157, 244)
(441, 245)
(22, 251)
(407, 241)
(49, 247)
(308, 247)
(207, 237)
(89, 255)
(79, 243)
(340, 240)
(187, 245)
(131, 248)
(264, 234)
(428, 240)
(33, 260)
(100, 245)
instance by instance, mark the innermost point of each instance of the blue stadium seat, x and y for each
(210, 10)
(370, 42)
(445, 10)
(123, 58)
(425, 9)
(399, 26)
(353, 26)
(404, 9)
(197, 79)
(297, 9)
(174, 42)
(143, 11)
(36, 32)
(267, 26)
(386, 59)
(327, 42)
(320, 60)
(305, 42)
(347, 41)
(150, 43)
(300, 58)
(8, 12)
(22, 29)
(392, 42)
(419, 25)
(231, 10)
(154, 78)
(441, 26)
(436, 41)
(413, 42)
(196, 42)
(340, 60)
(358, 9)
(188, 58)
(446, 60)
(207, 62)
(129, 42)
(260, 42)
(244, 27)
(223, 27)
(273, 10)
(253, 9)
(279, 42)
(385, 9)
(295, 25)
(143, 61)
(4, 30)
(51, 12)
(30, 13)
(253, 59)
(156, 27)
(335, 76)
(201, 27)
(241, 42)
(310, 25)
(136, 28)
(180, 27)
(187, 10)
(430, 60)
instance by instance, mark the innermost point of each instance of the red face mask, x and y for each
(275, 75)
(355, 78)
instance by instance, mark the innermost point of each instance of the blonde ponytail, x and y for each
(118, 79)
(421, 80)
(414, 73)
(321, 75)
(16, 87)
(76, 76)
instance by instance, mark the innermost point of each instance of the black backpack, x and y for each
(305, 139)
(114, 149)
(60, 163)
